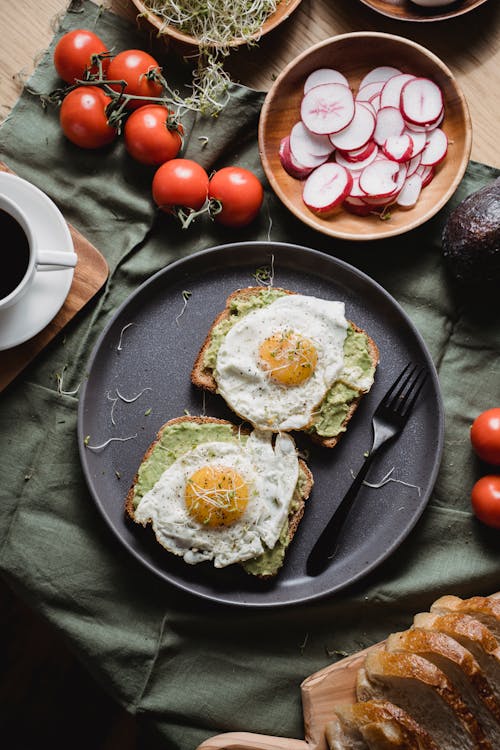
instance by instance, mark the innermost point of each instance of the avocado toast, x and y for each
(338, 405)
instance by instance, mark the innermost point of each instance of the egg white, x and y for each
(271, 474)
(247, 387)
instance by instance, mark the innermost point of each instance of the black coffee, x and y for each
(16, 253)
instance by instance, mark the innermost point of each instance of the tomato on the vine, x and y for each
(180, 183)
(73, 54)
(485, 436)
(240, 194)
(150, 137)
(134, 66)
(486, 500)
(83, 117)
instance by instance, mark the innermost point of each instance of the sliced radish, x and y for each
(359, 154)
(369, 106)
(389, 122)
(356, 166)
(326, 187)
(368, 92)
(426, 173)
(327, 108)
(288, 162)
(398, 147)
(436, 148)
(355, 191)
(358, 132)
(376, 102)
(391, 93)
(324, 75)
(413, 164)
(421, 101)
(410, 193)
(383, 73)
(379, 180)
(425, 128)
(356, 206)
(419, 141)
(302, 140)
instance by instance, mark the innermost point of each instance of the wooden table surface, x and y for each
(468, 44)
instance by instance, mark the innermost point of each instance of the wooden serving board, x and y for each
(90, 274)
(320, 692)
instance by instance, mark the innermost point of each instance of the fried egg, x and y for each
(223, 501)
(276, 364)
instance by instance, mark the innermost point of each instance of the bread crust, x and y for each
(293, 519)
(202, 377)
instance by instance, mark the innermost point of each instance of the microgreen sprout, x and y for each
(59, 378)
(389, 478)
(107, 442)
(119, 347)
(185, 296)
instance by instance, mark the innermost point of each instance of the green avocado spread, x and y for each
(182, 437)
(357, 375)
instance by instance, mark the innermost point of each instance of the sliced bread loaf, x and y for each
(423, 691)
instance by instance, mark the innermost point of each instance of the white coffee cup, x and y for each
(34, 258)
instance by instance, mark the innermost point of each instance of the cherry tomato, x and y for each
(240, 194)
(148, 137)
(485, 436)
(83, 117)
(132, 66)
(180, 182)
(73, 52)
(486, 500)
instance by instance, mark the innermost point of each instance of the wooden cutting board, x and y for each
(90, 274)
(320, 692)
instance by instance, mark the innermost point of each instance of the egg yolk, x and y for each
(289, 357)
(216, 496)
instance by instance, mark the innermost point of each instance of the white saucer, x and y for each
(45, 297)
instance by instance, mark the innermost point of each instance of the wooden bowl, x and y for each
(405, 10)
(282, 12)
(354, 55)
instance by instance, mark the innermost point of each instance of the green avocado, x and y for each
(179, 438)
(356, 377)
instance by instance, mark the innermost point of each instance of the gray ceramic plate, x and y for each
(158, 352)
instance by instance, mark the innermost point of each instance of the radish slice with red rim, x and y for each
(426, 173)
(326, 187)
(324, 75)
(425, 128)
(382, 73)
(419, 142)
(358, 132)
(327, 108)
(421, 101)
(302, 140)
(389, 122)
(369, 92)
(379, 180)
(356, 166)
(391, 93)
(355, 191)
(436, 148)
(410, 193)
(398, 147)
(359, 154)
(356, 206)
(413, 164)
(289, 164)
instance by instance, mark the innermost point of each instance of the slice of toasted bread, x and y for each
(202, 376)
(301, 494)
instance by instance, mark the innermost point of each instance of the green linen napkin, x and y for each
(189, 668)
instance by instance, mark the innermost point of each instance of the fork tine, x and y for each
(390, 392)
(400, 400)
(410, 402)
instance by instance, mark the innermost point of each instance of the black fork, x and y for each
(388, 421)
